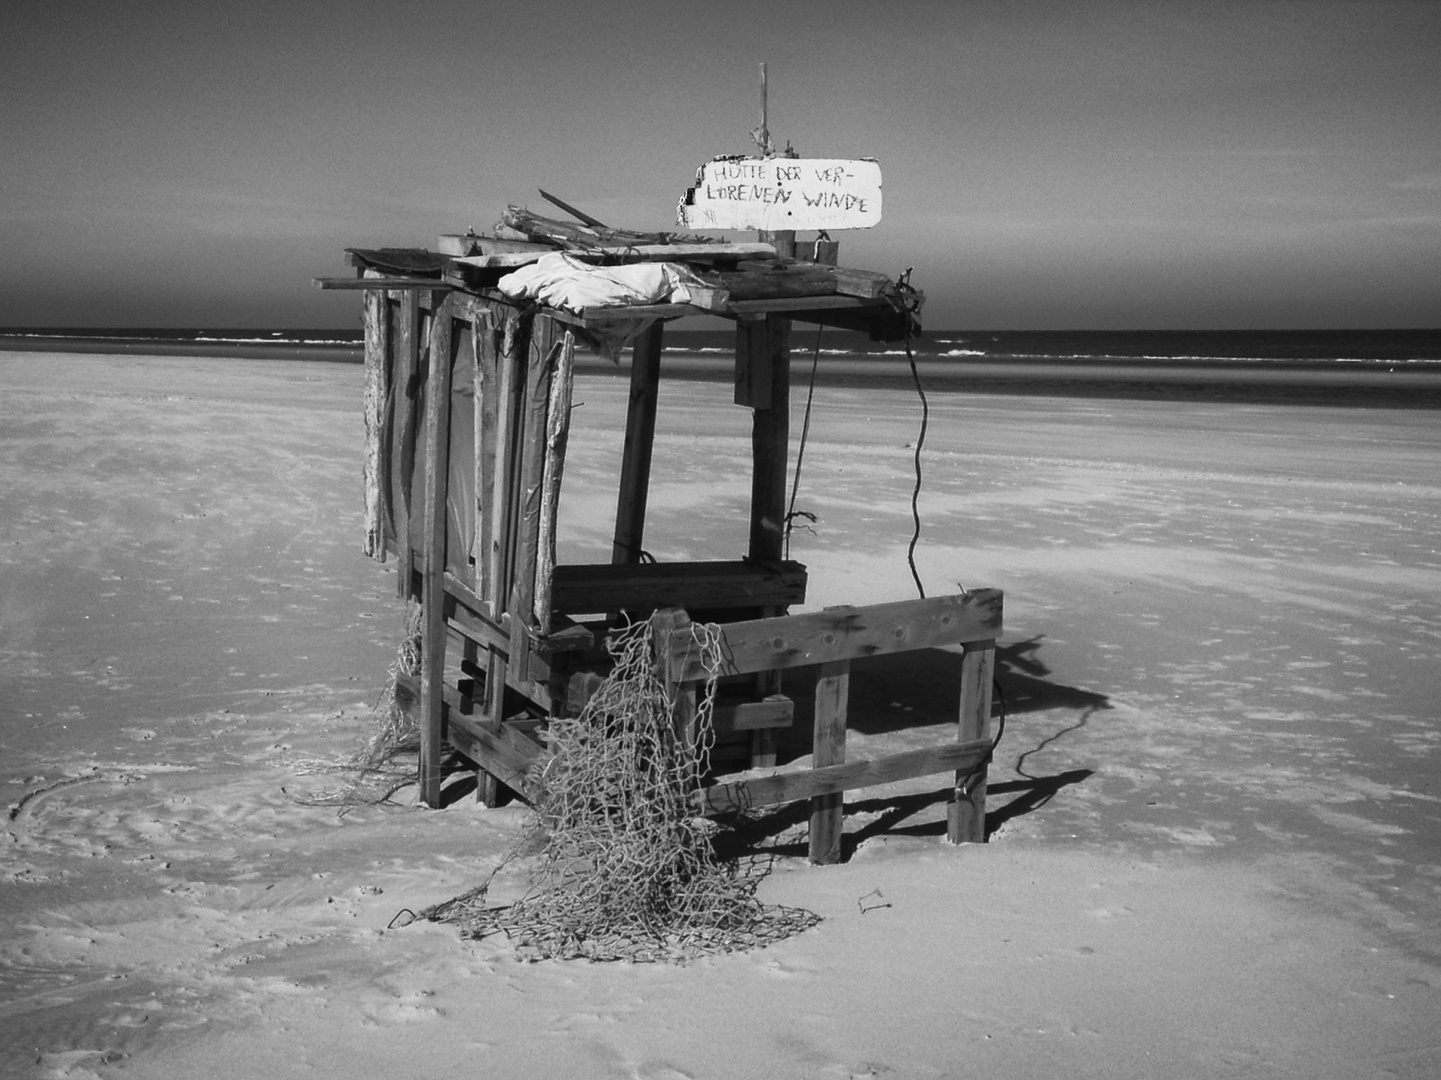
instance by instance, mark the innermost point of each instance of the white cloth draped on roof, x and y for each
(560, 280)
(563, 281)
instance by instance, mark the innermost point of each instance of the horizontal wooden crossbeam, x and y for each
(789, 787)
(507, 755)
(772, 711)
(382, 283)
(696, 586)
(504, 750)
(843, 633)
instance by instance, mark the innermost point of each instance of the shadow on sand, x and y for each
(920, 690)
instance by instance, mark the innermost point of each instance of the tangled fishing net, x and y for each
(627, 870)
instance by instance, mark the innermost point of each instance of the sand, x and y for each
(1214, 813)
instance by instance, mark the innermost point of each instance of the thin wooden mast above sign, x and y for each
(772, 193)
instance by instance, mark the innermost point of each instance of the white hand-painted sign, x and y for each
(783, 193)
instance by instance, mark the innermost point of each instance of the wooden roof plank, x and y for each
(382, 283)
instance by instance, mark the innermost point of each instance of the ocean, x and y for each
(1369, 368)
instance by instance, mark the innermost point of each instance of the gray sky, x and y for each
(1112, 164)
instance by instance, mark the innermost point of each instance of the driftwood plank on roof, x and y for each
(775, 280)
(391, 282)
(455, 244)
(627, 253)
(592, 233)
(416, 262)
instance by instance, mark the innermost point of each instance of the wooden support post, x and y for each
(543, 355)
(753, 369)
(493, 375)
(511, 364)
(507, 350)
(377, 422)
(783, 240)
(763, 348)
(484, 346)
(436, 469)
(406, 354)
(557, 431)
(827, 811)
(966, 816)
(639, 442)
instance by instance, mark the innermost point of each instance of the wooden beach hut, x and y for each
(467, 408)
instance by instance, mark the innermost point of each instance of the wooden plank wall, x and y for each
(498, 547)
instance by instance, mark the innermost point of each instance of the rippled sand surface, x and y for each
(1213, 812)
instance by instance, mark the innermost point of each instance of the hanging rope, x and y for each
(791, 512)
(911, 301)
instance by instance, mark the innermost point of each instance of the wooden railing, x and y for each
(831, 639)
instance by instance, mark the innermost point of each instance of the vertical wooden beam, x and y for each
(406, 352)
(829, 742)
(460, 486)
(557, 431)
(484, 346)
(753, 369)
(377, 395)
(436, 469)
(783, 240)
(766, 345)
(764, 348)
(508, 347)
(543, 355)
(509, 390)
(966, 816)
(639, 443)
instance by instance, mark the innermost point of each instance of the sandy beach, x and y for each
(1214, 814)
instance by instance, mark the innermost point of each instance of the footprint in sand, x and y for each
(1117, 912)
(411, 1009)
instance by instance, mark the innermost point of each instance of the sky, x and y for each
(1110, 165)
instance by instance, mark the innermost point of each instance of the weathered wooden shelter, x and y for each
(467, 406)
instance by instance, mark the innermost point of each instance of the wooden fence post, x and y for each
(966, 815)
(828, 811)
